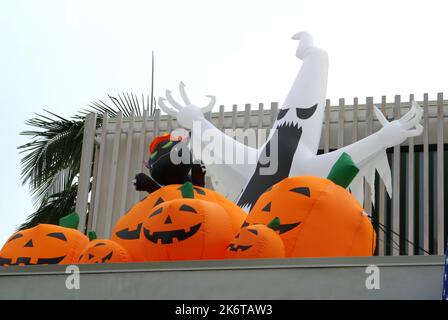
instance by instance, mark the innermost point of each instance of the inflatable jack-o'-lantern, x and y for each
(103, 251)
(186, 229)
(43, 244)
(318, 218)
(127, 231)
(257, 241)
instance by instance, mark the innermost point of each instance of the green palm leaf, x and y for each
(52, 158)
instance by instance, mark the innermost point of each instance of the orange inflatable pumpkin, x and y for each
(186, 229)
(43, 244)
(103, 251)
(256, 241)
(318, 218)
(127, 231)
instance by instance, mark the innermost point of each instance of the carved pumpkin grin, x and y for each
(167, 237)
(233, 247)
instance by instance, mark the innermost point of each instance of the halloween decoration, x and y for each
(318, 218)
(186, 229)
(43, 244)
(70, 221)
(295, 136)
(164, 170)
(343, 171)
(103, 251)
(257, 241)
(127, 230)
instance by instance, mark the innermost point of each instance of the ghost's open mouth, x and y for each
(272, 167)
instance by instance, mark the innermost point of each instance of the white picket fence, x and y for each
(414, 220)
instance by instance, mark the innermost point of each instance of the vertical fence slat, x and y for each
(425, 228)
(127, 163)
(234, 116)
(93, 192)
(99, 176)
(260, 123)
(382, 199)
(341, 120)
(246, 116)
(355, 120)
(440, 175)
(88, 142)
(141, 149)
(221, 118)
(396, 184)
(410, 197)
(112, 177)
(369, 129)
(274, 111)
(327, 126)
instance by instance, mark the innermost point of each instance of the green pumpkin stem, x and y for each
(70, 221)
(343, 171)
(91, 235)
(187, 190)
(274, 224)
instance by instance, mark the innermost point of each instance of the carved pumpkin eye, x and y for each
(199, 191)
(302, 190)
(158, 211)
(99, 244)
(185, 207)
(57, 235)
(255, 232)
(17, 236)
(267, 208)
(282, 113)
(305, 113)
(159, 201)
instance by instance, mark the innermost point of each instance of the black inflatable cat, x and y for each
(164, 171)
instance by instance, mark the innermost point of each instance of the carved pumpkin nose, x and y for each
(29, 244)
(168, 220)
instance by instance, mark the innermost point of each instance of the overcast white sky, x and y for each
(63, 54)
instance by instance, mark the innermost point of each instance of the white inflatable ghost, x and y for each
(296, 134)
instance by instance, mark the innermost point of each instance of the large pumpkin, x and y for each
(103, 251)
(127, 231)
(318, 218)
(256, 241)
(43, 244)
(186, 229)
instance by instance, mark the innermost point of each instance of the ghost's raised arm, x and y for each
(226, 159)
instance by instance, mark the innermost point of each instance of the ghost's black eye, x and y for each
(282, 113)
(306, 113)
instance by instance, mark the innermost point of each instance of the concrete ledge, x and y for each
(402, 277)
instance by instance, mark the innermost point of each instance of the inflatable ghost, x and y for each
(294, 137)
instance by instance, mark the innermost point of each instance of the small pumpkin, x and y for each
(186, 229)
(257, 241)
(43, 244)
(103, 251)
(127, 231)
(318, 218)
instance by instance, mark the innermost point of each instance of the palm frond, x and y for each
(55, 207)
